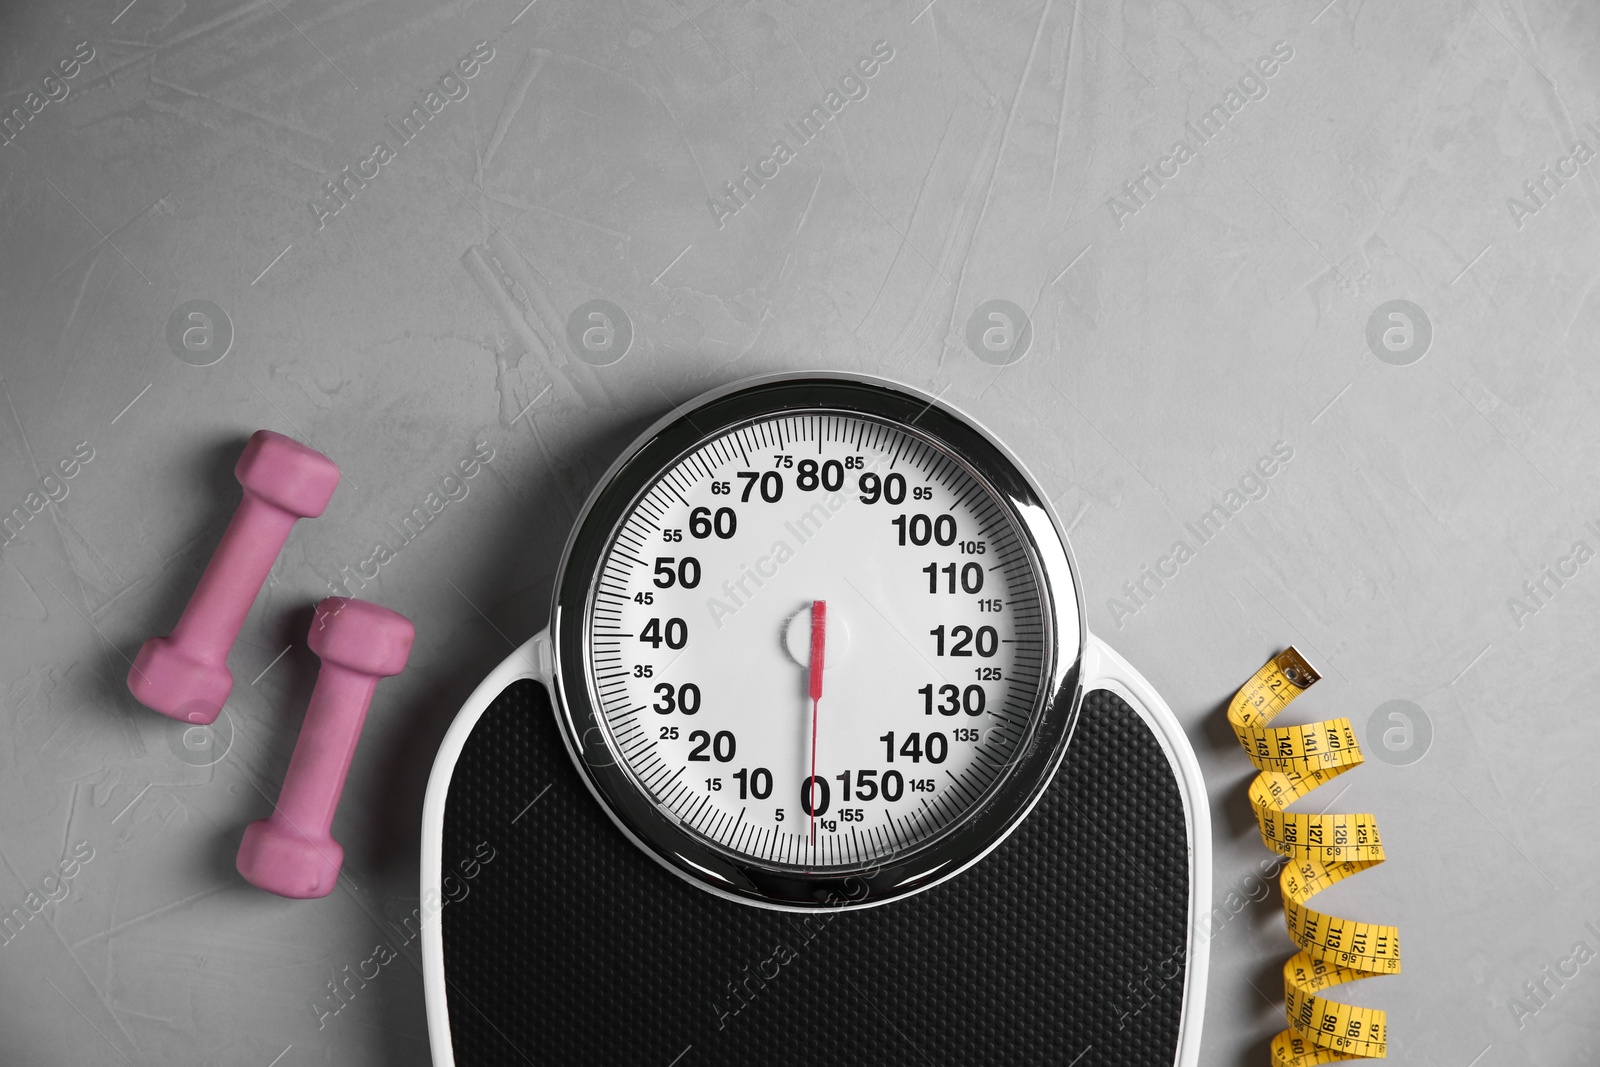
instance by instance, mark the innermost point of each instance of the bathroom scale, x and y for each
(815, 761)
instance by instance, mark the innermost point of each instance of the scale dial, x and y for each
(923, 598)
(816, 645)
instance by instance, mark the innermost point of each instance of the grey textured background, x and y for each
(1172, 347)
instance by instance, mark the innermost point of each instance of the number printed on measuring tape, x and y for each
(1322, 850)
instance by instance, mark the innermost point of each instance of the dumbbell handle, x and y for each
(322, 755)
(216, 612)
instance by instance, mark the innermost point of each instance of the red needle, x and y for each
(819, 637)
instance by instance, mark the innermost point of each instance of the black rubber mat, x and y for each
(570, 946)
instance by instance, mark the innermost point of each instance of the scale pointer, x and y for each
(819, 637)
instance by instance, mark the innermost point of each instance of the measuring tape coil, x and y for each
(1322, 850)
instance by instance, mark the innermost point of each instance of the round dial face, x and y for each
(817, 640)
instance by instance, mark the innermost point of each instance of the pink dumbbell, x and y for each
(185, 676)
(292, 852)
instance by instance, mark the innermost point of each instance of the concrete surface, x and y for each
(1180, 331)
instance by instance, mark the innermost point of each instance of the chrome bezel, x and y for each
(956, 847)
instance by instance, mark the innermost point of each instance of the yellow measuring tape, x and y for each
(1322, 850)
